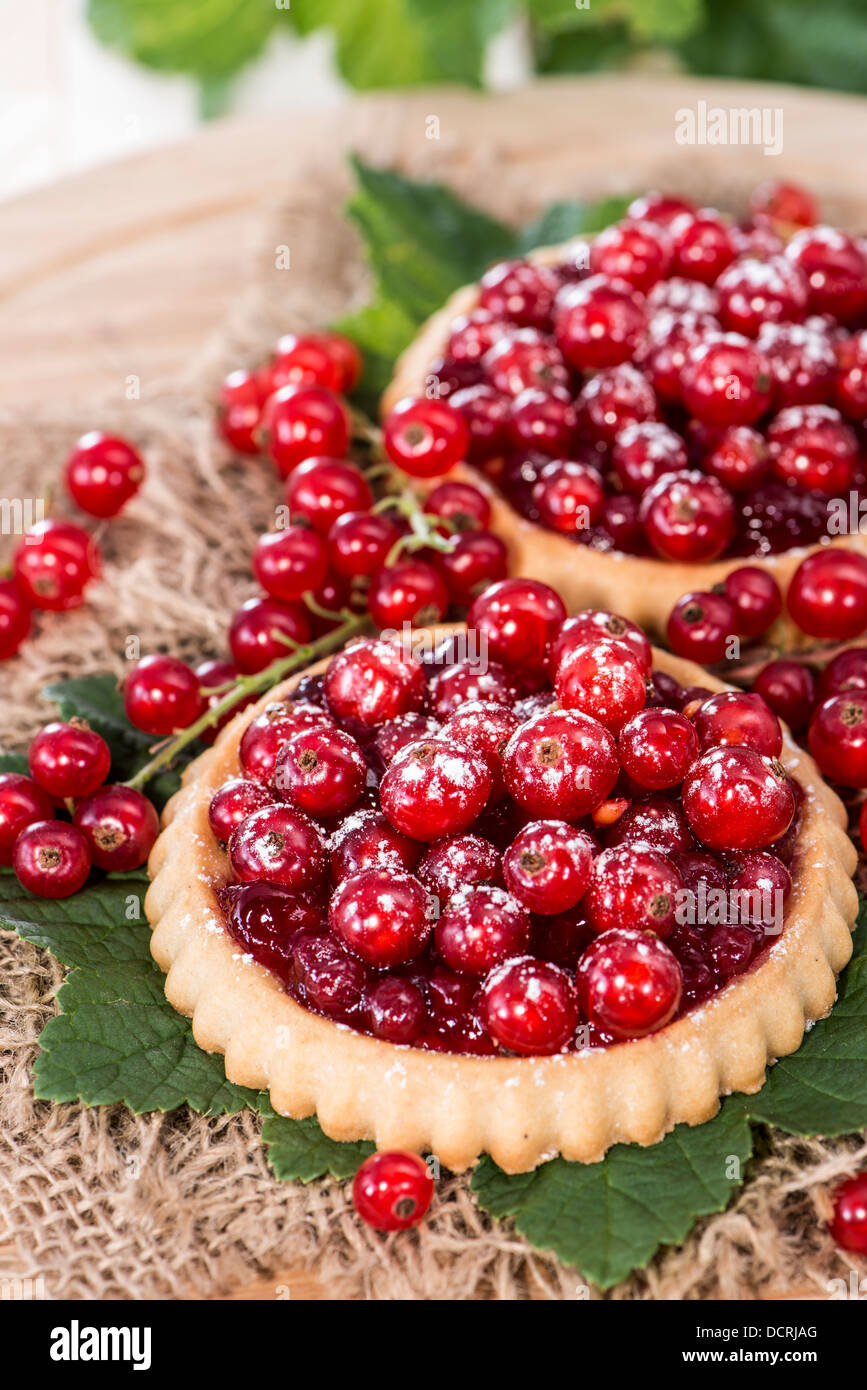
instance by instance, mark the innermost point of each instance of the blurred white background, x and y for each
(67, 103)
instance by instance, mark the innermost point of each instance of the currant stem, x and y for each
(251, 685)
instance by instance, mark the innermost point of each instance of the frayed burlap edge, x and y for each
(100, 1204)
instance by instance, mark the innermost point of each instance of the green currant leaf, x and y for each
(14, 762)
(647, 19)
(211, 39)
(298, 1151)
(609, 1218)
(562, 221)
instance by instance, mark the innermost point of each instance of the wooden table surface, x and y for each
(128, 268)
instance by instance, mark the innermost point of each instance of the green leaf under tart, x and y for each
(211, 39)
(298, 1151)
(609, 1218)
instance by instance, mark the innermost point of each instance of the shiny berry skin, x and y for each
(467, 680)
(594, 624)
(392, 1191)
(51, 859)
(425, 438)
(518, 619)
(657, 748)
(598, 322)
(726, 381)
(629, 983)
(396, 1010)
(280, 845)
(703, 245)
(661, 208)
(612, 400)
(481, 927)
(543, 421)
(837, 738)
(638, 252)
(738, 718)
(827, 597)
(547, 866)
(326, 978)
(321, 772)
(367, 840)
(765, 883)
(670, 338)
(847, 671)
(471, 335)
(68, 760)
(756, 597)
(463, 506)
(397, 733)
(435, 787)
(528, 1006)
(789, 689)
(14, 619)
(359, 544)
(683, 296)
(239, 409)
(835, 269)
(560, 766)
(102, 473)
(738, 459)
(383, 916)
(265, 735)
(411, 591)
(754, 292)
(520, 292)
(266, 920)
(303, 422)
(777, 201)
(850, 385)
(22, 801)
(263, 629)
(811, 445)
(373, 681)
(635, 887)
(120, 826)
(162, 695)
(485, 413)
(569, 496)
(700, 627)
(688, 517)
(478, 560)
(289, 563)
(644, 452)
(522, 361)
(53, 565)
(485, 728)
(322, 489)
(848, 1224)
(456, 861)
(603, 679)
(735, 798)
(233, 802)
(313, 359)
(655, 821)
(802, 362)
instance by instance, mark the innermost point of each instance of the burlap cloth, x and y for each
(101, 1204)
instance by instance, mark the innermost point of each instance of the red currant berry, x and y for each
(233, 802)
(321, 771)
(561, 765)
(239, 409)
(463, 506)
(303, 422)
(827, 597)
(303, 360)
(265, 735)
(726, 381)
(741, 719)
(593, 624)
(520, 292)
(435, 788)
(669, 340)
(69, 760)
(684, 296)
(469, 680)
(644, 452)
(162, 695)
(738, 459)
(547, 866)
(392, 1191)
(359, 544)
(603, 679)
(471, 335)
(760, 884)
(373, 681)
(22, 801)
(396, 1010)
(835, 269)
(837, 738)
(802, 362)
(776, 201)
(735, 798)
(264, 629)
(569, 496)
(367, 840)
(120, 826)
(289, 563)
(789, 689)
(14, 619)
(544, 422)
(598, 322)
(478, 560)
(703, 245)
(638, 252)
(456, 861)
(481, 927)
(847, 671)
(102, 473)
(635, 887)
(411, 591)
(811, 445)
(528, 1006)
(689, 517)
(425, 438)
(54, 564)
(518, 619)
(657, 748)
(754, 292)
(322, 489)
(655, 821)
(484, 728)
(280, 845)
(524, 360)
(397, 733)
(266, 921)
(850, 385)
(756, 597)
(629, 983)
(326, 978)
(700, 627)
(381, 915)
(661, 208)
(51, 859)
(485, 413)
(612, 400)
(848, 1225)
